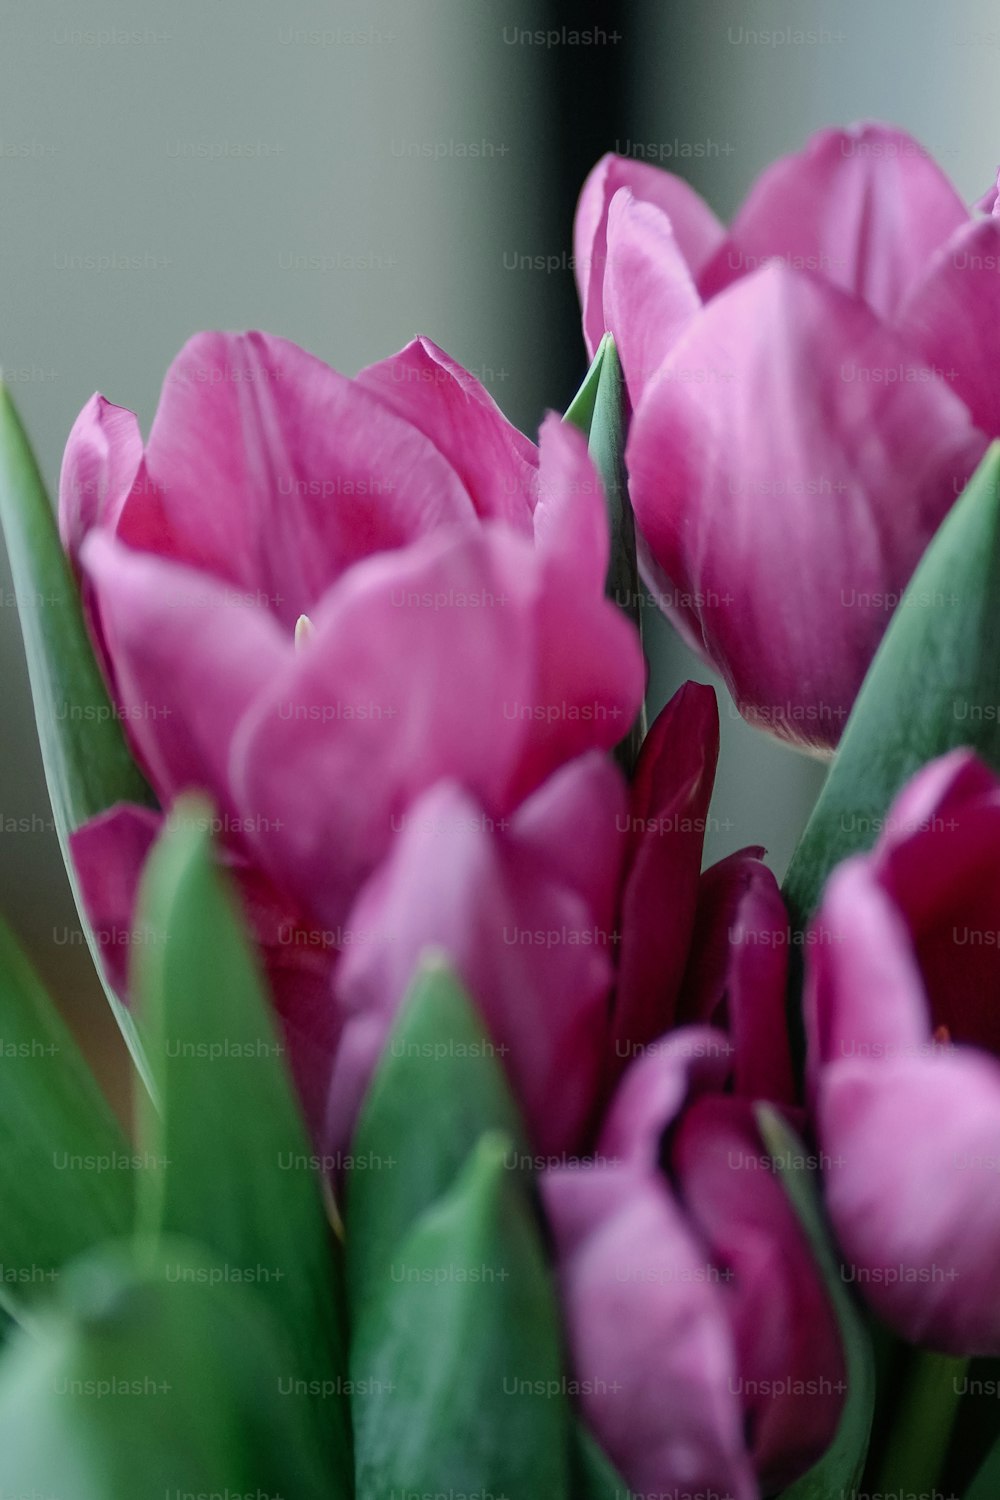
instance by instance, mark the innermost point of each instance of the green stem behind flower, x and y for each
(600, 410)
(918, 1441)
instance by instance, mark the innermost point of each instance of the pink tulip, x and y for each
(904, 1040)
(453, 575)
(699, 1328)
(556, 920)
(525, 914)
(811, 390)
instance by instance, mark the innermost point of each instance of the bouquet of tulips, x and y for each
(484, 1144)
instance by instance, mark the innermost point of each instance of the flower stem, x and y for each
(918, 1440)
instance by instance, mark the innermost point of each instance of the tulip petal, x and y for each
(738, 972)
(497, 464)
(865, 208)
(273, 472)
(190, 656)
(791, 1371)
(791, 490)
(465, 657)
(937, 859)
(912, 1191)
(648, 1335)
(575, 825)
(864, 996)
(108, 856)
(649, 293)
(100, 465)
(523, 944)
(684, 1064)
(697, 231)
(571, 518)
(944, 316)
(671, 793)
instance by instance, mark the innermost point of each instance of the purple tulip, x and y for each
(701, 1335)
(556, 920)
(904, 1039)
(452, 576)
(811, 390)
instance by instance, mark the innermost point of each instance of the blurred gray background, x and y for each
(306, 168)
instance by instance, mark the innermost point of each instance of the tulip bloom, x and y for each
(699, 1328)
(904, 1058)
(811, 389)
(556, 920)
(453, 578)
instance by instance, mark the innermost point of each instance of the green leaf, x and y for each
(461, 1356)
(934, 685)
(581, 409)
(840, 1469)
(438, 1087)
(156, 1381)
(599, 410)
(88, 767)
(986, 1485)
(231, 1163)
(87, 762)
(66, 1170)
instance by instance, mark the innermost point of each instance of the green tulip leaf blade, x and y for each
(459, 1367)
(439, 1086)
(66, 1170)
(88, 766)
(156, 1377)
(231, 1162)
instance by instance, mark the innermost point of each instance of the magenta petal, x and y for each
(274, 472)
(649, 293)
(575, 824)
(947, 311)
(299, 962)
(687, 1062)
(671, 792)
(738, 973)
(794, 520)
(865, 208)
(403, 683)
(571, 518)
(468, 657)
(190, 657)
(698, 232)
(102, 460)
(911, 1189)
(649, 1339)
(497, 464)
(937, 860)
(524, 944)
(859, 949)
(108, 854)
(790, 1359)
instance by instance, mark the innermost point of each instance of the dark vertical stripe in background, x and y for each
(589, 108)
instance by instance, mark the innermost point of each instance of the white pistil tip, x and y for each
(304, 628)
